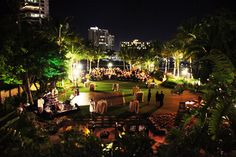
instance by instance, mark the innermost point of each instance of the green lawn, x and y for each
(126, 89)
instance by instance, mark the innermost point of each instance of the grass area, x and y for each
(125, 89)
(182, 80)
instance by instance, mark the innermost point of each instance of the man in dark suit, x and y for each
(161, 98)
(157, 98)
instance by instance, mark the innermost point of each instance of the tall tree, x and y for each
(27, 49)
(216, 32)
(99, 54)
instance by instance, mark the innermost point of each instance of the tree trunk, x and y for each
(36, 87)
(130, 65)
(174, 70)
(98, 63)
(87, 65)
(178, 68)
(190, 68)
(30, 94)
(123, 65)
(43, 86)
(26, 87)
(166, 65)
(90, 66)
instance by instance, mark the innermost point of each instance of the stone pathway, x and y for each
(171, 101)
(110, 121)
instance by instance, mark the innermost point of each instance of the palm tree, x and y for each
(176, 53)
(123, 55)
(186, 34)
(150, 54)
(214, 32)
(127, 53)
(90, 55)
(99, 54)
(166, 53)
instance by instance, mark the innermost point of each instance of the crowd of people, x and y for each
(49, 104)
(118, 74)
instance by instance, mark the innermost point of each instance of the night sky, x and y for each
(130, 19)
(135, 19)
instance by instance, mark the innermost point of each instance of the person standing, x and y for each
(40, 104)
(157, 98)
(92, 107)
(149, 96)
(77, 91)
(161, 98)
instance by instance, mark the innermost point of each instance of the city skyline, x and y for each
(129, 20)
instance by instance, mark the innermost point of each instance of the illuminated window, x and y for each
(32, 1)
(34, 15)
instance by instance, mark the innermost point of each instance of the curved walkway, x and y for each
(171, 101)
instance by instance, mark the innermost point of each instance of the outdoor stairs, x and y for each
(111, 121)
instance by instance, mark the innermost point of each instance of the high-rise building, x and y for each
(111, 42)
(101, 38)
(34, 10)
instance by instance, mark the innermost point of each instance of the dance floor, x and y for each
(82, 99)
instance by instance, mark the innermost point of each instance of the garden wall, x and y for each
(8, 93)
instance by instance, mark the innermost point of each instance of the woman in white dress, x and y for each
(91, 107)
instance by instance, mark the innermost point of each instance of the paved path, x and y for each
(171, 101)
(114, 98)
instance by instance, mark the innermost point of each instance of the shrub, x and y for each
(11, 103)
(169, 84)
(158, 74)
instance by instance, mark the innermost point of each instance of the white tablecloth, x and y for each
(101, 106)
(135, 90)
(115, 87)
(134, 106)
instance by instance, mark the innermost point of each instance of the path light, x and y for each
(109, 65)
